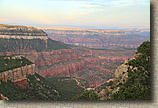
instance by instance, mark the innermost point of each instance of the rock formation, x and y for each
(121, 75)
(18, 74)
(22, 32)
(18, 32)
(121, 70)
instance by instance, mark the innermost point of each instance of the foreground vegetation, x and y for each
(35, 90)
(137, 85)
(9, 62)
(87, 95)
(66, 86)
(40, 88)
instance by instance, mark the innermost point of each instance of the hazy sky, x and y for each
(108, 13)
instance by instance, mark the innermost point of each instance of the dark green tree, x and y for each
(137, 86)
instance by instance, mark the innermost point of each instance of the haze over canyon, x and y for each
(128, 37)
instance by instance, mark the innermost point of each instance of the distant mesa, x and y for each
(21, 32)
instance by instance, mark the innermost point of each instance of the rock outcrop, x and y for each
(18, 74)
(121, 70)
(121, 76)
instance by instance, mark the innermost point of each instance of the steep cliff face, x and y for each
(19, 46)
(15, 69)
(17, 74)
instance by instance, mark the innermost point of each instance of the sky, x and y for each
(94, 13)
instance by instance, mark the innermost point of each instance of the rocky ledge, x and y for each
(18, 73)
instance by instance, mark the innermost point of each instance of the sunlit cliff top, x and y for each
(20, 30)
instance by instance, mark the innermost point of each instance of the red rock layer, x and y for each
(68, 62)
(72, 68)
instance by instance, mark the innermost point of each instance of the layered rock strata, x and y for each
(21, 32)
(17, 74)
(23, 37)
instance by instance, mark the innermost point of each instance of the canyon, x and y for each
(92, 66)
(100, 39)
(56, 59)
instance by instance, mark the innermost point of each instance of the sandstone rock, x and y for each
(121, 70)
(17, 74)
